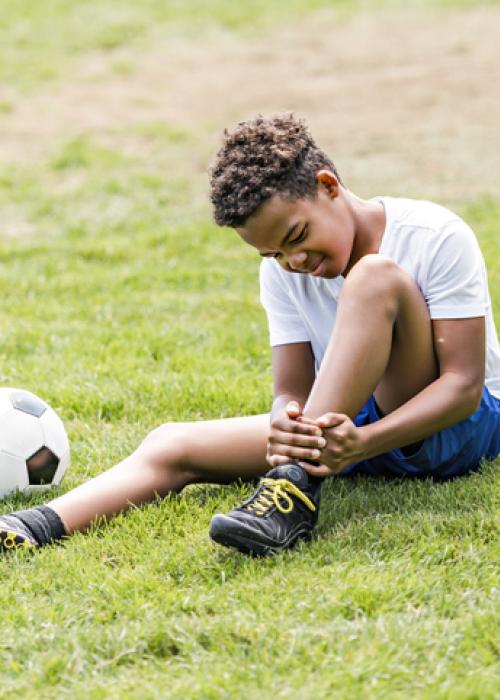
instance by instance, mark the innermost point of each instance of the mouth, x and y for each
(318, 268)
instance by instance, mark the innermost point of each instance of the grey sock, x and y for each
(43, 522)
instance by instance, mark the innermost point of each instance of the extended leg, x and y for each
(172, 456)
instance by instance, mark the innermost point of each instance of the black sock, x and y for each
(43, 522)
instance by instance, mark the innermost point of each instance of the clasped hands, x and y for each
(332, 440)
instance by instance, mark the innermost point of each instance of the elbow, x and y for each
(467, 393)
(471, 395)
(478, 396)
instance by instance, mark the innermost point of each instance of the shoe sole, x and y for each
(230, 533)
(10, 541)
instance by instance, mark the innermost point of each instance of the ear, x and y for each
(328, 180)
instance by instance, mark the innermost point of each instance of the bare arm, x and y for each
(293, 374)
(293, 378)
(455, 395)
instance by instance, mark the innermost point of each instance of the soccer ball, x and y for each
(34, 446)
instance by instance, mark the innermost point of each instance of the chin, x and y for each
(328, 274)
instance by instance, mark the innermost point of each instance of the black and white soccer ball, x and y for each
(34, 446)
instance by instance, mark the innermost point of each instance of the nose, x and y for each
(297, 261)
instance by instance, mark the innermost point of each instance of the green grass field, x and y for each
(124, 307)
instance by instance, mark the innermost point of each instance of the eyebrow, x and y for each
(285, 239)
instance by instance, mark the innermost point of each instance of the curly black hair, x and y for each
(260, 158)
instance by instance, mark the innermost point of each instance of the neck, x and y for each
(369, 221)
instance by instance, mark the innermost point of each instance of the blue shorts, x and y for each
(455, 451)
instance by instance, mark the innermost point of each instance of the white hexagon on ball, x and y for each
(34, 446)
(21, 434)
(13, 474)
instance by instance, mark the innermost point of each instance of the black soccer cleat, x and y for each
(283, 510)
(14, 535)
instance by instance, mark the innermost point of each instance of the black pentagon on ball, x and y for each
(42, 467)
(28, 403)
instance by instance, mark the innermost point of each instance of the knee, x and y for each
(165, 447)
(375, 279)
(376, 270)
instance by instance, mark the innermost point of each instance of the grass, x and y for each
(123, 306)
(39, 43)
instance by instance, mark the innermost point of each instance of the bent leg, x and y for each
(382, 343)
(172, 456)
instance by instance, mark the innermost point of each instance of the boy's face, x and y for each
(307, 236)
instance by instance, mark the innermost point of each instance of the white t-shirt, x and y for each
(431, 243)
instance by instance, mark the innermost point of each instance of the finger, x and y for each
(329, 420)
(293, 408)
(294, 426)
(322, 471)
(277, 461)
(297, 439)
(291, 452)
(308, 421)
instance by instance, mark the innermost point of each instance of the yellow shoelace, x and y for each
(275, 491)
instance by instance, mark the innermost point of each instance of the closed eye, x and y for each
(301, 237)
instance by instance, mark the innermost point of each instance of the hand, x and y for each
(345, 444)
(290, 439)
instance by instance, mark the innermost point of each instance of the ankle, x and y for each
(43, 522)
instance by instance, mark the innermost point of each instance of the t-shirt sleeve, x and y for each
(284, 321)
(456, 282)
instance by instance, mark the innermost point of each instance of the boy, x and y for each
(385, 355)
